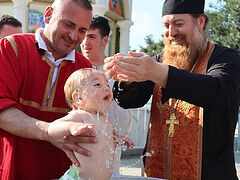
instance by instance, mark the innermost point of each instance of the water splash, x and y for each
(119, 88)
(147, 154)
(140, 160)
(109, 163)
(116, 99)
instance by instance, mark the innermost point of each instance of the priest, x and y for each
(196, 93)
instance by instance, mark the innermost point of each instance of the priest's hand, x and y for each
(109, 66)
(136, 67)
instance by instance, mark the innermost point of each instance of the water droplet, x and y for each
(147, 154)
(119, 88)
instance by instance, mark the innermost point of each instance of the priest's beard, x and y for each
(183, 56)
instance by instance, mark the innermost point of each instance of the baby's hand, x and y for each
(80, 129)
(122, 140)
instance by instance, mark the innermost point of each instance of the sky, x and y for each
(146, 16)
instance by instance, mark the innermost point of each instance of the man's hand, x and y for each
(18, 123)
(68, 136)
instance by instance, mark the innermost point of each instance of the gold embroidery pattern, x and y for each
(49, 80)
(13, 44)
(43, 108)
(52, 95)
(168, 159)
(185, 107)
(161, 107)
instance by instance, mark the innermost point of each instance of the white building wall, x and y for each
(38, 6)
(19, 9)
(6, 8)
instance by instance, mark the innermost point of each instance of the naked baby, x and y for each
(88, 94)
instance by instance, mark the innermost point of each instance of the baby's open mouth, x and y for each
(107, 97)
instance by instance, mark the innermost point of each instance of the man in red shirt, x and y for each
(33, 71)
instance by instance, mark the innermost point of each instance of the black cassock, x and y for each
(218, 92)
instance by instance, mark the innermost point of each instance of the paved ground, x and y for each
(131, 164)
(237, 158)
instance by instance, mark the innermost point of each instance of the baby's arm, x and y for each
(72, 126)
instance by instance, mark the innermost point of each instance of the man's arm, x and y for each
(133, 95)
(140, 69)
(15, 121)
(18, 123)
(218, 88)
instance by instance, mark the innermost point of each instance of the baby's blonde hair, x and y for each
(76, 82)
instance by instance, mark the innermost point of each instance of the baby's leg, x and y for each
(70, 174)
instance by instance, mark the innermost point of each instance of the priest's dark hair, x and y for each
(100, 23)
(195, 16)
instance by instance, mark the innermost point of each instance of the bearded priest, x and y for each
(196, 93)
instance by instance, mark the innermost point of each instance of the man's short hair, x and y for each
(100, 23)
(10, 20)
(85, 3)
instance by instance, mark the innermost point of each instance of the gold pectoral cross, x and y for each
(172, 121)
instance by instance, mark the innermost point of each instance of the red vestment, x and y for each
(25, 84)
(176, 155)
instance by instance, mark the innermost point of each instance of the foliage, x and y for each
(223, 27)
(152, 48)
(92, 1)
(224, 24)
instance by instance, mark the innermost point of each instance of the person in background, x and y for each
(196, 96)
(9, 25)
(33, 71)
(93, 48)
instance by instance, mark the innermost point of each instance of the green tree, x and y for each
(224, 24)
(223, 28)
(152, 47)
